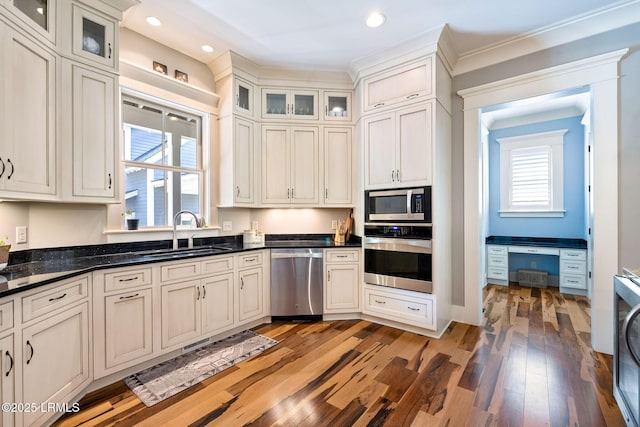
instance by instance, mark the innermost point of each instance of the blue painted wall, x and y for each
(573, 224)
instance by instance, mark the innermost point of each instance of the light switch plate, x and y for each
(21, 234)
(334, 224)
(227, 225)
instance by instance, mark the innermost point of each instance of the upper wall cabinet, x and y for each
(243, 93)
(38, 15)
(93, 37)
(289, 104)
(401, 84)
(337, 106)
(27, 118)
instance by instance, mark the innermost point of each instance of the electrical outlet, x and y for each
(227, 225)
(21, 234)
(334, 224)
(533, 265)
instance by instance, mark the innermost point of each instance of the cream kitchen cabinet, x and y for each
(398, 147)
(237, 160)
(400, 84)
(217, 303)
(342, 281)
(278, 103)
(337, 106)
(243, 93)
(181, 318)
(122, 318)
(89, 133)
(27, 118)
(40, 16)
(252, 287)
(290, 165)
(93, 38)
(7, 377)
(55, 358)
(338, 170)
(398, 305)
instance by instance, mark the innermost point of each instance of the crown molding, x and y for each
(576, 28)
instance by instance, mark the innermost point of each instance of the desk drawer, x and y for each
(573, 254)
(497, 250)
(573, 281)
(534, 250)
(573, 267)
(498, 273)
(497, 261)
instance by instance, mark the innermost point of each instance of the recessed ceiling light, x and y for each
(375, 19)
(207, 48)
(152, 20)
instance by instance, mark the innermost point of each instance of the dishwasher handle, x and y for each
(296, 255)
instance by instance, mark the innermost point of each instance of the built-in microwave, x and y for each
(398, 205)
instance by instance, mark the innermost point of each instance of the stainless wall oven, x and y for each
(626, 352)
(401, 205)
(398, 256)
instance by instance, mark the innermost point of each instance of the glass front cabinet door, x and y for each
(93, 37)
(337, 106)
(244, 97)
(298, 104)
(39, 14)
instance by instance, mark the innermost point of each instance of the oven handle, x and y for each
(409, 197)
(633, 314)
(398, 245)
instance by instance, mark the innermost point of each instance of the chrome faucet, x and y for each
(199, 224)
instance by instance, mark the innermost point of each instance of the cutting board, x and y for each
(348, 226)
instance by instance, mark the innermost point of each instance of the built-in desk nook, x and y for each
(571, 256)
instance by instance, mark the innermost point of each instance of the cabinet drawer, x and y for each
(127, 279)
(576, 255)
(416, 311)
(398, 85)
(341, 255)
(68, 292)
(6, 315)
(218, 264)
(497, 250)
(573, 281)
(497, 261)
(573, 267)
(498, 273)
(534, 250)
(250, 260)
(180, 270)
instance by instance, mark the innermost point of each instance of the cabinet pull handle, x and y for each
(237, 99)
(32, 352)
(380, 302)
(237, 191)
(379, 104)
(241, 282)
(110, 181)
(413, 95)
(130, 279)
(250, 259)
(414, 309)
(393, 175)
(398, 175)
(329, 276)
(292, 196)
(204, 292)
(326, 193)
(326, 110)
(13, 168)
(130, 296)
(288, 193)
(341, 256)
(57, 298)
(10, 364)
(3, 167)
(109, 50)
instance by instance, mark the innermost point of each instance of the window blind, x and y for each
(531, 177)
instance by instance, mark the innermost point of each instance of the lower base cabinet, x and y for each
(217, 303)
(402, 306)
(55, 362)
(180, 312)
(342, 281)
(7, 377)
(251, 295)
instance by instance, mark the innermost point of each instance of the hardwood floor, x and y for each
(530, 364)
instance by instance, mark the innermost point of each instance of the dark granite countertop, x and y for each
(547, 242)
(37, 267)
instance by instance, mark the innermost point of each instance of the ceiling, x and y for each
(331, 34)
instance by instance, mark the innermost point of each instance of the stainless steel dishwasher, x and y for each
(296, 283)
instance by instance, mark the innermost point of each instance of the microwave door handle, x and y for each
(626, 328)
(409, 197)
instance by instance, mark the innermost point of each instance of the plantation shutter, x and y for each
(531, 177)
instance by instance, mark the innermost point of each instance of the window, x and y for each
(531, 174)
(162, 162)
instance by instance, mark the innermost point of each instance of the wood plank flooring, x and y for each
(530, 364)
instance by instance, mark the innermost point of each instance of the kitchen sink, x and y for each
(183, 252)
